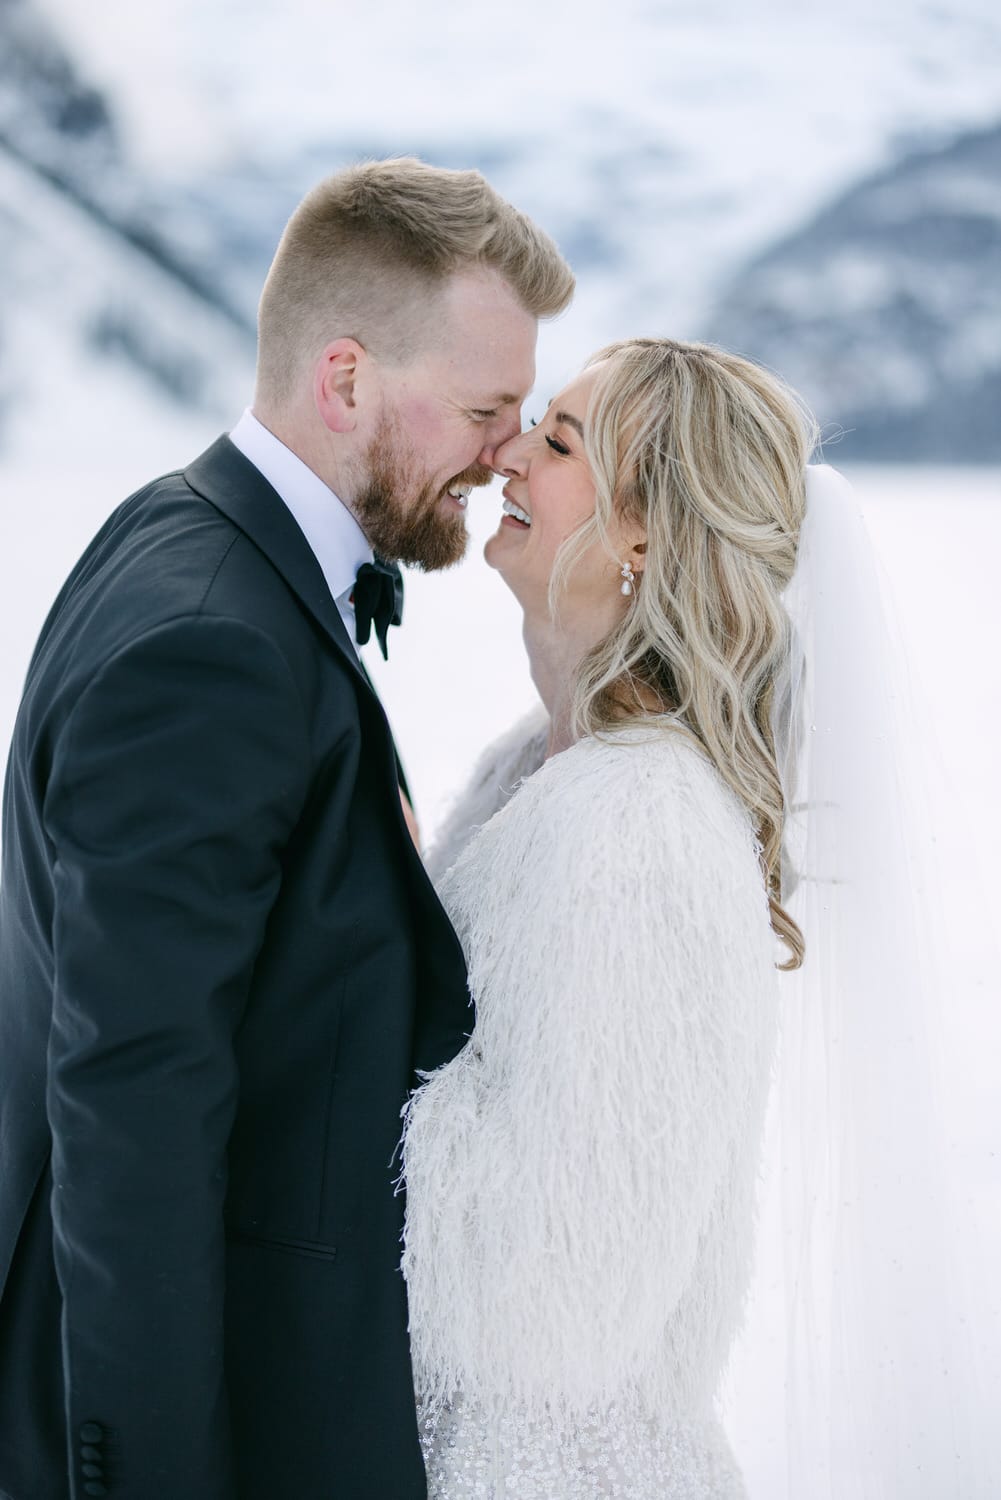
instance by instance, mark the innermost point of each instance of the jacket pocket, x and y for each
(314, 1249)
(277, 1159)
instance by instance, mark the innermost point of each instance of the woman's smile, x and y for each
(514, 514)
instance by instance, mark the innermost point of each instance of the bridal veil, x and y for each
(865, 1371)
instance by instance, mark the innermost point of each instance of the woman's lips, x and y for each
(516, 513)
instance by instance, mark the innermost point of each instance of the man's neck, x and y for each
(298, 435)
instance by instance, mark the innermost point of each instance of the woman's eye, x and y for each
(557, 446)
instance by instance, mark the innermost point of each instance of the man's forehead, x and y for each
(505, 398)
(490, 373)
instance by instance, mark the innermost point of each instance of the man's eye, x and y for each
(484, 416)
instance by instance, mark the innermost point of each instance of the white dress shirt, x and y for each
(337, 541)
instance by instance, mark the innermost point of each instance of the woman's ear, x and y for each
(339, 374)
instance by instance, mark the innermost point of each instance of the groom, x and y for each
(220, 959)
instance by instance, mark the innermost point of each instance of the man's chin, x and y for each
(436, 548)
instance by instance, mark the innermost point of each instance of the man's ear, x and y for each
(339, 372)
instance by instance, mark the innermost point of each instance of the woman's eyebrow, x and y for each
(564, 416)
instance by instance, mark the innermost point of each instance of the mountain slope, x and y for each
(149, 158)
(90, 278)
(885, 311)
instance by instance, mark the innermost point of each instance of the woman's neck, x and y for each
(554, 657)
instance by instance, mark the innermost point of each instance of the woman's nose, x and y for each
(511, 458)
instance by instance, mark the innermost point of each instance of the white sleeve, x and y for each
(564, 1170)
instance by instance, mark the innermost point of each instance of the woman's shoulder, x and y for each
(635, 793)
(499, 771)
(516, 753)
(653, 773)
(631, 806)
(634, 821)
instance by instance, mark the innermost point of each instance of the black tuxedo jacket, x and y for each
(221, 963)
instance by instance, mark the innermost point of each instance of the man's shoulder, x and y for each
(160, 551)
(177, 550)
(165, 554)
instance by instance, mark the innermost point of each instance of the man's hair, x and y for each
(368, 254)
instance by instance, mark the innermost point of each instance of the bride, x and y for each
(581, 1178)
(703, 833)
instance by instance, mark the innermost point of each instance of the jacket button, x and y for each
(91, 1455)
(93, 1488)
(92, 1432)
(93, 1471)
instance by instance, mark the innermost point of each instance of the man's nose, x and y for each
(501, 431)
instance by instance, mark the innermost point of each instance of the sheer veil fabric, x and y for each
(862, 1372)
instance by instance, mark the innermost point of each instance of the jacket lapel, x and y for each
(230, 482)
(224, 477)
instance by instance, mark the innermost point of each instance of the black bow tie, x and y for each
(378, 601)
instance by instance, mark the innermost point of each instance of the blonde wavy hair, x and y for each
(707, 452)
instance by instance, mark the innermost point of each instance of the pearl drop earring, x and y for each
(628, 578)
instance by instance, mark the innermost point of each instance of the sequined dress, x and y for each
(470, 1455)
(580, 1178)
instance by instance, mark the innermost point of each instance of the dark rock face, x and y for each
(886, 310)
(95, 259)
(59, 128)
(46, 109)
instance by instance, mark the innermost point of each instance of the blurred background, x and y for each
(816, 186)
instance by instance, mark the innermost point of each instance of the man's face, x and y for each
(443, 415)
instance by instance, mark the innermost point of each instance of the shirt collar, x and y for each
(335, 538)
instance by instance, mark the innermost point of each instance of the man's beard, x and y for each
(407, 526)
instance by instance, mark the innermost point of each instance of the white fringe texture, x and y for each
(580, 1178)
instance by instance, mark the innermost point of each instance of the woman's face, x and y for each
(549, 494)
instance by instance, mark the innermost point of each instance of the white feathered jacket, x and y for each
(580, 1179)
